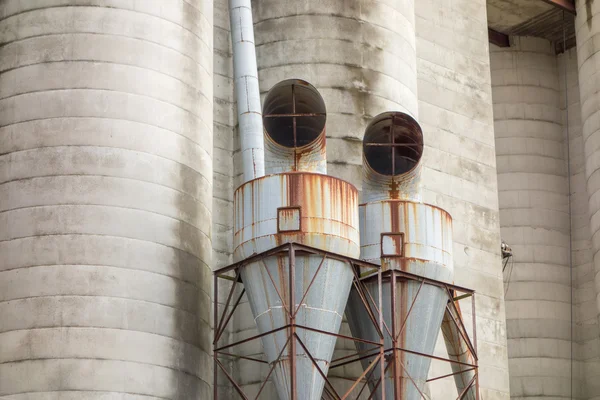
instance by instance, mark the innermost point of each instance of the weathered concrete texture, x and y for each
(534, 216)
(587, 26)
(359, 54)
(105, 199)
(223, 148)
(585, 343)
(455, 111)
(503, 15)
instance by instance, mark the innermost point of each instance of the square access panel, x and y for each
(392, 244)
(288, 219)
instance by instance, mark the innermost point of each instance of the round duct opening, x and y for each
(294, 113)
(393, 144)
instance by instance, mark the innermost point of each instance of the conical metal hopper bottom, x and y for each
(419, 335)
(267, 285)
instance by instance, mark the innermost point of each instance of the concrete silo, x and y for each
(105, 199)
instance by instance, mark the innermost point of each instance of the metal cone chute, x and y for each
(296, 298)
(401, 233)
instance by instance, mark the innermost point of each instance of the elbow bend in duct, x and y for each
(392, 152)
(294, 118)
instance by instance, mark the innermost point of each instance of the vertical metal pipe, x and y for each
(246, 88)
(215, 345)
(292, 289)
(382, 348)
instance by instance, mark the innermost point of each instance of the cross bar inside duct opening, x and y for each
(294, 117)
(392, 152)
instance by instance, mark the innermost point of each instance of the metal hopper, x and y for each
(310, 208)
(401, 233)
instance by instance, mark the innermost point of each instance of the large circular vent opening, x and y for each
(294, 113)
(393, 144)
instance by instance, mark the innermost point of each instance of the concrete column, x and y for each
(534, 216)
(105, 199)
(585, 324)
(587, 26)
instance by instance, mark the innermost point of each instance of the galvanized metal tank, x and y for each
(401, 233)
(309, 208)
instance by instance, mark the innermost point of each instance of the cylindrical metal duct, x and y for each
(312, 209)
(392, 151)
(105, 199)
(246, 88)
(294, 118)
(402, 234)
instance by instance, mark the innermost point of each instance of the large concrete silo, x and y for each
(105, 199)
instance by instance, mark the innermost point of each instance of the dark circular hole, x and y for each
(393, 143)
(291, 100)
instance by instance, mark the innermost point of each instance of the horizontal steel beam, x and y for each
(567, 5)
(498, 38)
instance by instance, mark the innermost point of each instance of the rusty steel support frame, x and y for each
(363, 272)
(455, 294)
(221, 320)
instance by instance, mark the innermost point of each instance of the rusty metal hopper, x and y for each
(312, 209)
(401, 233)
(414, 238)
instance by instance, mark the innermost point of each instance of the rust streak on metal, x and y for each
(242, 357)
(237, 302)
(452, 374)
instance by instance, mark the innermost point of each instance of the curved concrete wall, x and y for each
(360, 55)
(587, 27)
(105, 199)
(534, 216)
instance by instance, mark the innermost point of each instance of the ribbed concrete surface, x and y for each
(587, 27)
(534, 217)
(360, 55)
(585, 338)
(459, 174)
(105, 199)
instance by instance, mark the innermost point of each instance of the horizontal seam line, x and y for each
(90, 61)
(198, 117)
(111, 236)
(2, 45)
(107, 118)
(100, 296)
(109, 206)
(75, 6)
(20, 268)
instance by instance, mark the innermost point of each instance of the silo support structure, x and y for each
(295, 332)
